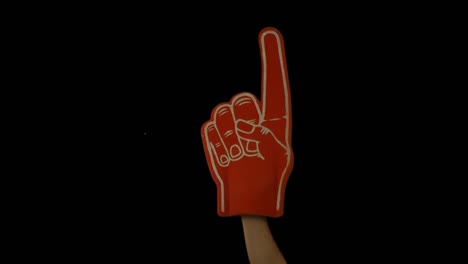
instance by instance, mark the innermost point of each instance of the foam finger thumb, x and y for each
(248, 130)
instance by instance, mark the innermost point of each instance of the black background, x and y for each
(127, 89)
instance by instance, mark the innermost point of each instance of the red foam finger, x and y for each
(275, 82)
(276, 97)
(254, 183)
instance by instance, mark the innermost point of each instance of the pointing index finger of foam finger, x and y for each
(275, 83)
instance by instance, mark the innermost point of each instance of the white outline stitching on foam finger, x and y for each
(286, 96)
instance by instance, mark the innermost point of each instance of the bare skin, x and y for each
(261, 247)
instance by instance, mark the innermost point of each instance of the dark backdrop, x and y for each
(130, 87)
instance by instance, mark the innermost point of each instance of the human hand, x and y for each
(247, 142)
